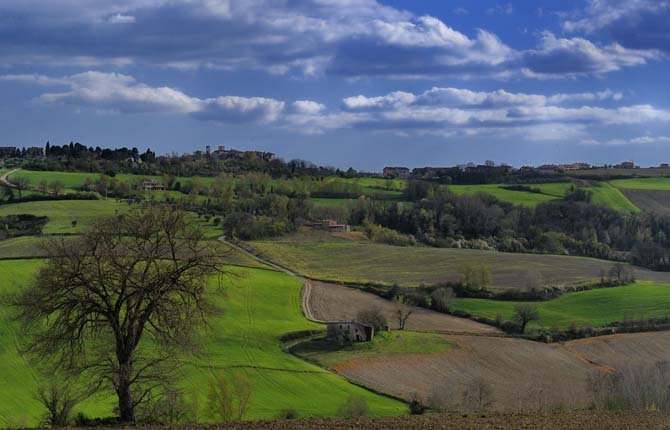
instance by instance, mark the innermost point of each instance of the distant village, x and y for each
(399, 172)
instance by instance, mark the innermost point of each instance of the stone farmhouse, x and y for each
(350, 331)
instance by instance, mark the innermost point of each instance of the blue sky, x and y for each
(360, 83)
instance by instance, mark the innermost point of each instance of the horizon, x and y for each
(344, 83)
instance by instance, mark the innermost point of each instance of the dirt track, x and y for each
(328, 302)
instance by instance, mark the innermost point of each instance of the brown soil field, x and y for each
(331, 302)
(582, 420)
(522, 374)
(319, 255)
(650, 200)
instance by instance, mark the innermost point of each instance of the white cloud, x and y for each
(641, 140)
(308, 107)
(114, 92)
(121, 19)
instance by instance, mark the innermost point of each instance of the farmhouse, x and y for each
(350, 331)
(396, 172)
(152, 185)
(332, 226)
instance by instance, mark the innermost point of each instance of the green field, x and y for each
(662, 184)
(607, 195)
(323, 256)
(384, 344)
(258, 306)
(62, 213)
(595, 307)
(549, 192)
(20, 247)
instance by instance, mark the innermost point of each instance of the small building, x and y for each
(626, 165)
(664, 166)
(350, 332)
(332, 226)
(396, 172)
(152, 185)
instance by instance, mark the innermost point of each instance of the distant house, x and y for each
(626, 165)
(332, 226)
(152, 185)
(350, 331)
(396, 172)
(664, 166)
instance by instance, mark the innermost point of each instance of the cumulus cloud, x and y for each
(560, 57)
(453, 111)
(115, 92)
(308, 107)
(635, 24)
(351, 38)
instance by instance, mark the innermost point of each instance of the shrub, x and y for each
(354, 407)
(374, 317)
(415, 405)
(288, 414)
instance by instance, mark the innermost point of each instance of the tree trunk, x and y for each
(126, 407)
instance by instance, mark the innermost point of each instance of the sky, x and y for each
(360, 83)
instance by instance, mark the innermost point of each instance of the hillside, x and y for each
(350, 259)
(258, 307)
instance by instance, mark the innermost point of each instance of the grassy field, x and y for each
(608, 195)
(594, 307)
(63, 213)
(323, 256)
(258, 306)
(549, 192)
(662, 184)
(383, 345)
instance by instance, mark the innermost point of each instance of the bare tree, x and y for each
(56, 187)
(373, 316)
(59, 399)
(229, 400)
(443, 299)
(621, 273)
(21, 183)
(402, 311)
(477, 395)
(43, 186)
(525, 313)
(141, 275)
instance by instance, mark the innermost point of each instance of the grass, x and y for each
(549, 192)
(662, 184)
(595, 307)
(607, 195)
(20, 247)
(384, 344)
(258, 306)
(62, 213)
(324, 256)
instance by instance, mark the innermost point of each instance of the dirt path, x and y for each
(328, 302)
(4, 179)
